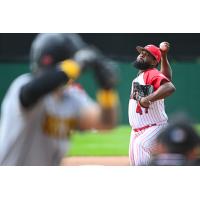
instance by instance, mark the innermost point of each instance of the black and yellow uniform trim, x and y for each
(71, 68)
(58, 127)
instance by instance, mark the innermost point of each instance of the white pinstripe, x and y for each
(156, 112)
(142, 143)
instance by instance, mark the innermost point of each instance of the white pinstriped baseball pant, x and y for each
(142, 143)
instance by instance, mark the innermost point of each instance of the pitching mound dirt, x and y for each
(105, 161)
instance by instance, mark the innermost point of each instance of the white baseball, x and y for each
(163, 46)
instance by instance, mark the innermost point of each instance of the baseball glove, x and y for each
(140, 91)
(105, 70)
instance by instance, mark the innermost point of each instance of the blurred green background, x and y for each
(185, 78)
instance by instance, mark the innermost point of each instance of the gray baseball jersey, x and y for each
(38, 136)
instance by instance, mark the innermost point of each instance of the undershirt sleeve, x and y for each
(31, 92)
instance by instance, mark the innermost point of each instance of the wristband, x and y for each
(107, 98)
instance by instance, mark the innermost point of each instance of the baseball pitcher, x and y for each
(146, 105)
(41, 108)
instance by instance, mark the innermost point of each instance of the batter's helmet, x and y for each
(48, 49)
(179, 137)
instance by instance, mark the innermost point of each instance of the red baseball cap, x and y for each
(152, 49)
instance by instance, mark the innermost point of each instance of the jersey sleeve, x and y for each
(11, 100)
(13, 118)
(155, 78)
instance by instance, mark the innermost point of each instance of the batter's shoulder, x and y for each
(20, 81)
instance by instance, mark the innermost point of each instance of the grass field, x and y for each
(110, 143)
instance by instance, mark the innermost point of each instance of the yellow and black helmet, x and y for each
(48, 49)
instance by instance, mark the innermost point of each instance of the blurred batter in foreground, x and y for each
(41, 108)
